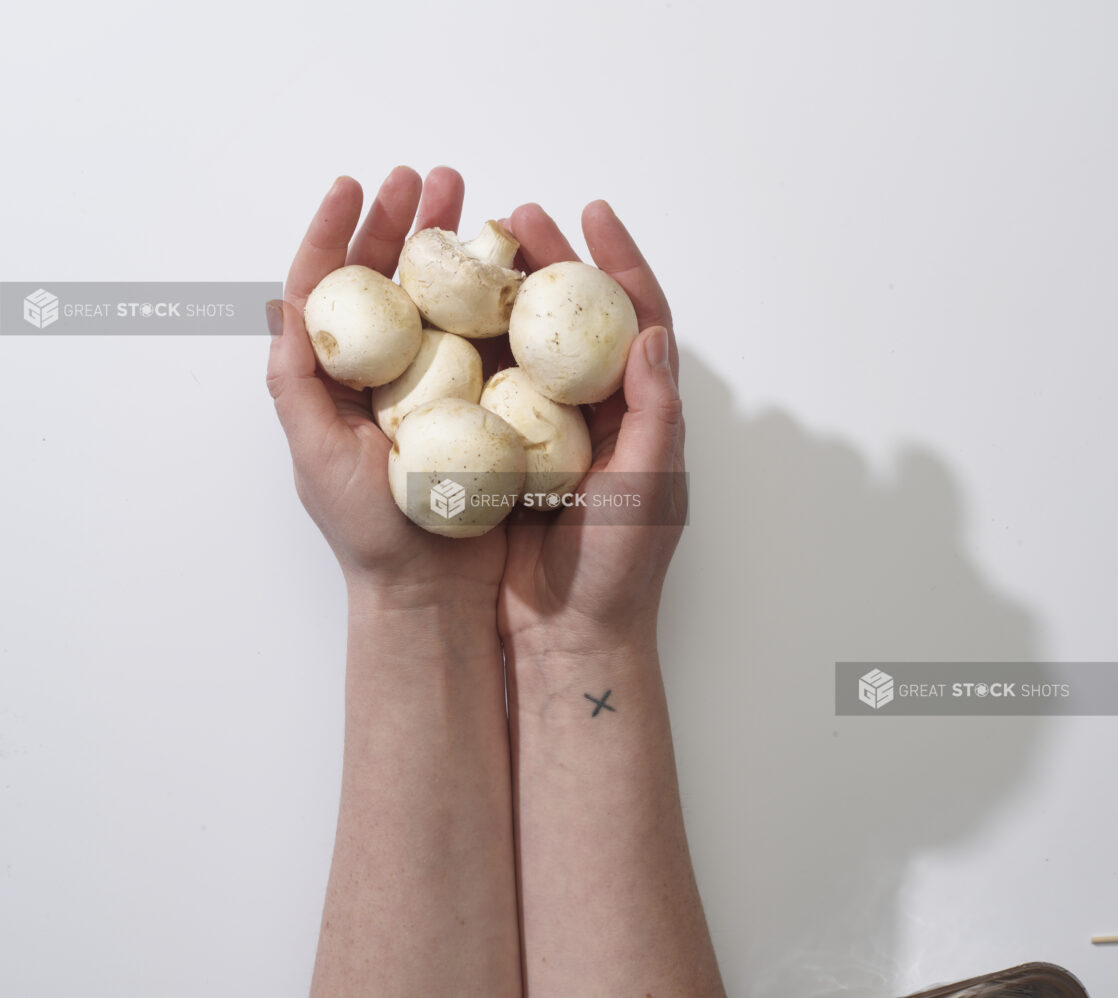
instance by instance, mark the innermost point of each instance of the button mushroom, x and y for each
(365, 330)
(570, 330)
(455, 468)
(446, 366)
(556, 440)
(465, 288)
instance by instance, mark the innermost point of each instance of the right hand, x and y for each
(339, 455)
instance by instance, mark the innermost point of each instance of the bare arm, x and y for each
(421, 897)
(609, 904)
(609, 901)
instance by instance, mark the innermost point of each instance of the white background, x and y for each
(888, 232)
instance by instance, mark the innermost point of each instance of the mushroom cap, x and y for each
(455, 468)
(556, 440)
(446, 366)
(365, 330)
(571, 329)
(454, 290)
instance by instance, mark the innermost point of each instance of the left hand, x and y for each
(577, 581)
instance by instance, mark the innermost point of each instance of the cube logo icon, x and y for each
(448, 498)
(875, 689)
(40, 308)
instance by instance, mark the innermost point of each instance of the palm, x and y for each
(351, 502)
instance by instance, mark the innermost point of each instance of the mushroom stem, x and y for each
(495, 245)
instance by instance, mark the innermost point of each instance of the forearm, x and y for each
(421, 898)
(609, 904)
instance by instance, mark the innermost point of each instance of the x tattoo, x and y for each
(599, 704)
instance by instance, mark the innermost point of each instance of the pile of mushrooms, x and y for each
(463, 450)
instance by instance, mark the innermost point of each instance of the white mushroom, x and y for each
(571, 329)
(556, 440)
(364, 329)
(464, 288)
(446, 366)
(455, 468)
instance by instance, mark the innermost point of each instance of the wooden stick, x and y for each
(1104, 939)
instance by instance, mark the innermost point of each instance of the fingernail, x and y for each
(274, 312)
(656, 347)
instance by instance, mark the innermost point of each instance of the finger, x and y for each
(651, 434)
(541, 241)
(323, 248)
(381, 237)
(306, 409)
(440, 206)
(615, 252)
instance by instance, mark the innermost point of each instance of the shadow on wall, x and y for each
(802, 823)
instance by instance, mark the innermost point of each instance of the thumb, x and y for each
(303, 402)
(651, 432)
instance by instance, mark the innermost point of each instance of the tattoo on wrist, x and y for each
(599, 704)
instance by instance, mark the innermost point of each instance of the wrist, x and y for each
(565, 679)
(421, 626)
(573, 635)
(370, 591)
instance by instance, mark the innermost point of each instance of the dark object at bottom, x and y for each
(1030, 980)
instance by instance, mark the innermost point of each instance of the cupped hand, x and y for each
(340, 457)
(590, 577)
